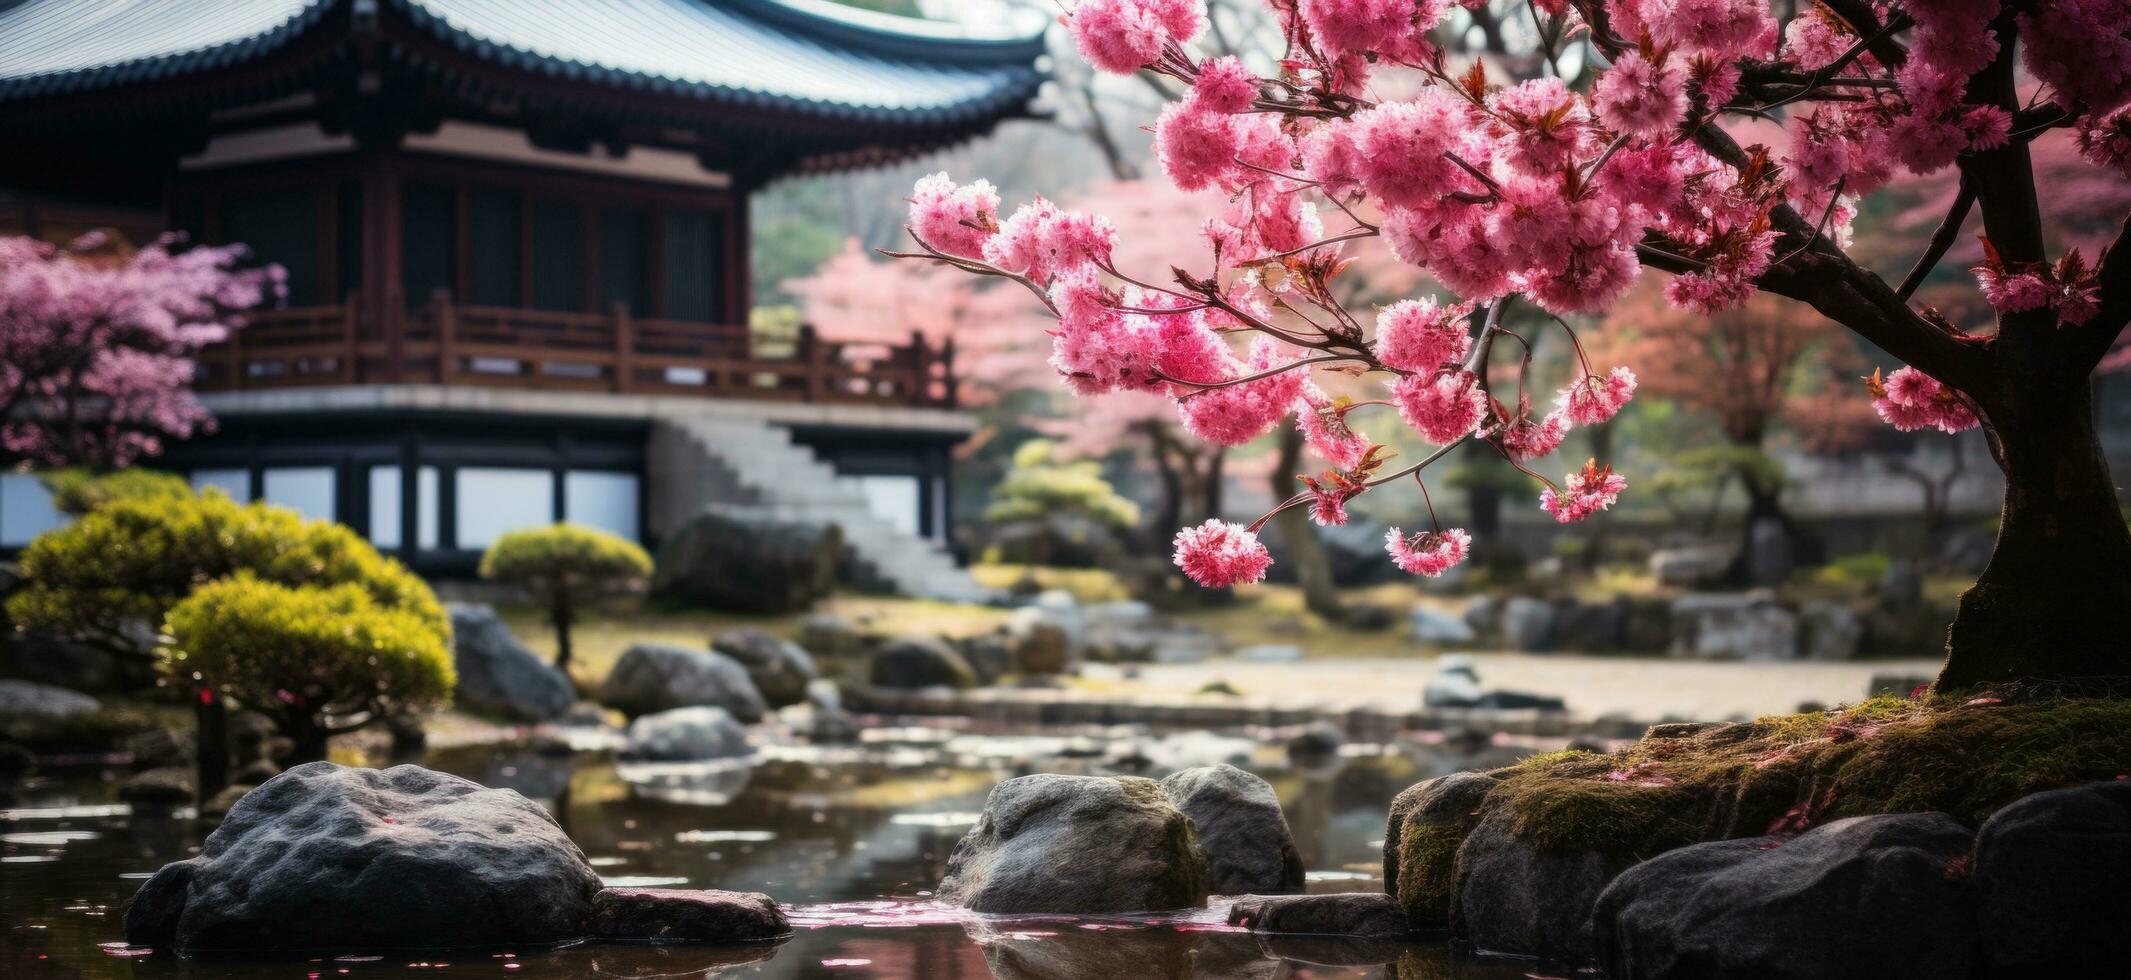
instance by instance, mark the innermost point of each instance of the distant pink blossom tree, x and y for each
(1559, 197)
(97, 343)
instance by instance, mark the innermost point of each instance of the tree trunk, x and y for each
(210, 746)
(2055, 600)
(1766, 503)
(309, 737)
(562, 616)
(1304, 550)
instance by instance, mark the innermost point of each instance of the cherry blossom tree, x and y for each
(97, 341)
(1558, 197)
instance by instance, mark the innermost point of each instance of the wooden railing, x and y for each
(452, 344)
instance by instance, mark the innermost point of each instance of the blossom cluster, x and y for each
(1531, 189)
(1909, 399)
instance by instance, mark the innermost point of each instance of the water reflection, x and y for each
(851, 838)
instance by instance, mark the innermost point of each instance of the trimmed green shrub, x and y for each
(567, 567)
(110, 577)
(318, 660)
(77, 490)
(1040, 485)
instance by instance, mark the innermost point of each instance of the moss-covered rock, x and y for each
(1964, 755)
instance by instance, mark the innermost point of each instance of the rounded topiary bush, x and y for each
(78, 490)
(317, 660)
(109, 577)
(566, 567)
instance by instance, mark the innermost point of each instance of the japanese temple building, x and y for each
(516, 238)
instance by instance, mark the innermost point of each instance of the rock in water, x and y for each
(654, 677)
(1864, 898)
(328, 857)
(695, 734)
(1362, 914)
(681, 915)
(2052, 868)
(738, 559)
(1421, 836)
(1076, 845)
(498, 675)
(780, 668)
(1508, 895)
(1240, 830)
(919, 661)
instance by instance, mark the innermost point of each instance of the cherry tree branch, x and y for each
(1942, 239)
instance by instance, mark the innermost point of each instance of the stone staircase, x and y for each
(784, 480)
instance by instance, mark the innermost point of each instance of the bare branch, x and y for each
(1942, 239)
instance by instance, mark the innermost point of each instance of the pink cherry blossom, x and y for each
(1637, 97)
(1429, 553)
(1444, 407)
(1218, 554)
(1117, 35)
(1224, 85)
(1910, 400)
(1524, 440)
(1237, 413)
(1326, 432)
(954, 219)
(1591, 400)
(1418, 335)
(1583, 493)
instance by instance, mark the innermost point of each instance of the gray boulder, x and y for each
(1371, 915)
(912, 662)
(1690, 567)
(654, 677)
(23, 699)
(1241, 830)
(328, 857)
(1527, 623)
(780, 668)
(694, 734)
(1864, 898)
(829, 636)
(682, 915)
(746, 560)
(1511, 896)
(2052, 870)
(1077, 845)
(498, 675)
(1733, 626)
(1432, 625)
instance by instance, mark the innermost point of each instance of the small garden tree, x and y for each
(97, 341)
(110, 578)
(1041, 488)
(319, 661)
(1540, 193)
(567, 567)
(78, 490)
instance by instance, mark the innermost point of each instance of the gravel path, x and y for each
(1592, 686)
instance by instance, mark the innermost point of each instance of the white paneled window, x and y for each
(26, 510)
(494, 500)
(386, 507)
(307, 490)
(893, 499)
(607, 501)
(237, 483)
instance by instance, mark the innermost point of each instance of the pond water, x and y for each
(850, 838)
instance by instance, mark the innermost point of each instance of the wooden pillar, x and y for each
(810, 356)
(947, 373)
(351, 340)
(920, 369)
(383, 299)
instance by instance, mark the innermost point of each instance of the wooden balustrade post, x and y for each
(947, 373)
(447, 319)
(810, 351)
(624, 349)
(351, 339)
(235, 351)
(919, 375)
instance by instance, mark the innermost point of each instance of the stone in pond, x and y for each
(1240, 830)
(1859, 899)
(498, 675)
(695, 734)
(1076, 845)
(911, 662)
(780, 668)
(1361, 914)
(162, 786)
(328, 857)
(654, 677)
(1421, 836)
(1508, 895)
(2053, 868)
(681, 915)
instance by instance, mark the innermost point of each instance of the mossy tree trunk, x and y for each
(1303, 548)
(563, 616)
